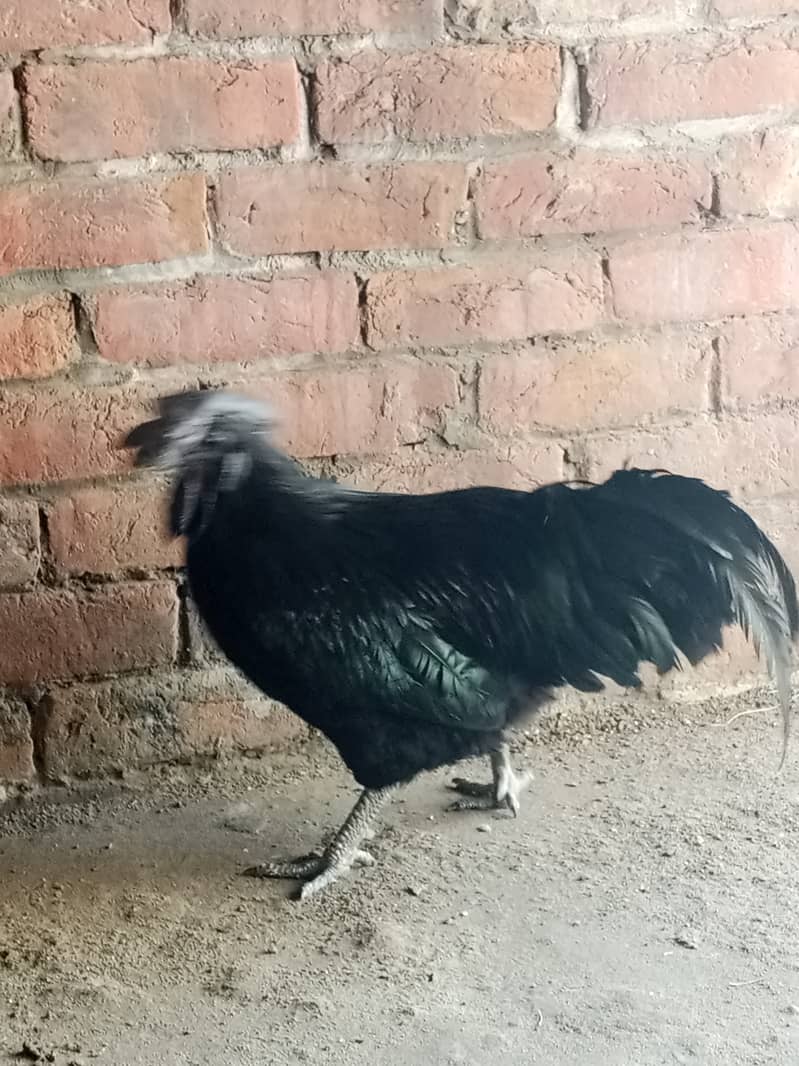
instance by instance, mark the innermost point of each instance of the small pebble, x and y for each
(484, 828)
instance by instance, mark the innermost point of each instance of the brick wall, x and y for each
(454, 240)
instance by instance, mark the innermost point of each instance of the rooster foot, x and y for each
(343, 852)
(316, 871)
(504, 791)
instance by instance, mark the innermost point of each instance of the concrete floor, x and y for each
(642, 911)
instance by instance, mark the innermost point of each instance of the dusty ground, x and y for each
(641, 911)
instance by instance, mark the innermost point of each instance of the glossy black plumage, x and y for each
(415, 630)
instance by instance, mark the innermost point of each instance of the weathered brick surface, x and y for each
(452, 92)
(95, 631)
(85, 223)
(87, 729)
(20, 548)
(751, 8)
(760, 360)
(577, 387)
(233, 723)
(250, 18)
(63, 24)
(586, 193)
(54, 435)
(16, 744)
(520, 18)
(365, 410)
(516, 465)
(8, 118)
(752, 458)
(340, 207)
(105, 530)
(212, 320)
(493, 301)
(669, 81)
(37, 337)
(160, 105)
(63, 436)
(706, 275)
(758, 175)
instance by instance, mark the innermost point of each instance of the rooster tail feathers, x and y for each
(206, 438)
(764, 602)
(743, 563)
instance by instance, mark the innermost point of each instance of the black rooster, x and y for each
(414, 631)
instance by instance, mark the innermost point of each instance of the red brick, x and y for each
(452, 92)
(37, 337)
(59, 634)
(206, 727)
(520, 465)
(587, 193)
(707, 275)
(48, 435)
(8, 116)
(521, 18)
(760, 360)
(56, 436)
(103, 530)
(611, 383)
(25, 26)
(20, 550)
(85, 223)
(667, 82)
(254, 18)
(16, 744)
(758, 175)
(338, 207)
(99, 728)
(756, 458)
(89, 729)
(491, 301)
(360, 410)
(213, 320)
(160, 105)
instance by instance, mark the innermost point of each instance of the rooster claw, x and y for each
(505, 790)
(316, 871)
(292, 869)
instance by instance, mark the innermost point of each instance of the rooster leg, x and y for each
(343, 852)
(504, 791)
